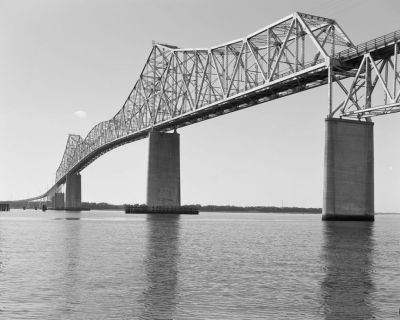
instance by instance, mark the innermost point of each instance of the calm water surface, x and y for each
(108, 265)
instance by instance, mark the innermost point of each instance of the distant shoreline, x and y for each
(201, 208)
(253, 211)
(257, 209)
(223, 208)
(215, 208)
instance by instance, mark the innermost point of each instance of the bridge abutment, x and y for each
(73, 192)
(163, 175)
(348, 170)
(57, 201)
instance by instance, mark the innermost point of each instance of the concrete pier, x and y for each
(348, 171)
(57, 201)
(73, 192)
(163, 175)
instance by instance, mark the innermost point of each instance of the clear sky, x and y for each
(66, 65)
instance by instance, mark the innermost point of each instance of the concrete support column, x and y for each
(73, 192)
(163, 175)
(57, 201)
(348, 171)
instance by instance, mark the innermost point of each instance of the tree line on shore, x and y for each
(220, 208)
(206, 208)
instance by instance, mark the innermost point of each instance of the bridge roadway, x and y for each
(297, 53)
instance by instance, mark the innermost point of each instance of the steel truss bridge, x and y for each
(178, 87)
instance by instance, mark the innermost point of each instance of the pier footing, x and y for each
(348, 171)
(160, 210)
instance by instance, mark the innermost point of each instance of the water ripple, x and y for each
(103, 265)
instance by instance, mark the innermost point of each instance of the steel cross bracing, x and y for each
(372, 85)
(178, 87)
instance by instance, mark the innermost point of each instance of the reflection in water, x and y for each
(2, 256)
(72, 251)
(347, 256)
(161, 267)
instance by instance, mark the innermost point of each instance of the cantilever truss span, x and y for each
(182, 86)
(178, 87)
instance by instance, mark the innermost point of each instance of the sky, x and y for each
(67, 65)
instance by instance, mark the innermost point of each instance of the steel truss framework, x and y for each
(178, 87)
(373, 89)
(175, 82)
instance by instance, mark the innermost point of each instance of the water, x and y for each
(108, 265)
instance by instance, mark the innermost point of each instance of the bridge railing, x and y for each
(370, 45)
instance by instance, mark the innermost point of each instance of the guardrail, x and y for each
(370, 45)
